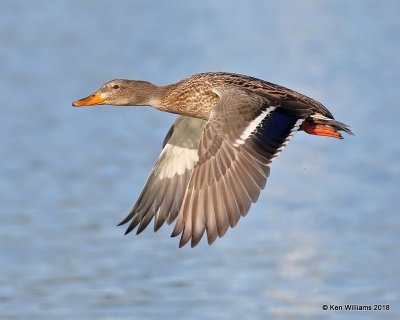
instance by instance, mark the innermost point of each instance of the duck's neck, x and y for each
(143, 93)
(159, 98)
(175, 99)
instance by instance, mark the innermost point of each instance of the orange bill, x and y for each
(321, 130)
(89, 101)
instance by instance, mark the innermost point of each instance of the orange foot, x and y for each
(320, 130)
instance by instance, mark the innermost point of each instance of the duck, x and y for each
(216, 157)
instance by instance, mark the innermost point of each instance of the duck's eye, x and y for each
(115, 86)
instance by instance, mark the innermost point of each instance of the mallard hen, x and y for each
(216, 156)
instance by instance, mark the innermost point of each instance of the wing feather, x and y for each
(165, 188)
(245, 132)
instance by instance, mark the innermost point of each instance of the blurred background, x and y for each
(325, 230)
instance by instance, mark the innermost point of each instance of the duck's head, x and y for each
(121, 92)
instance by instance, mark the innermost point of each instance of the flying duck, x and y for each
(216, 156)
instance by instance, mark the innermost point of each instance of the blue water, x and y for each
(326, 230)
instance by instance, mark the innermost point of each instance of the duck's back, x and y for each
(197, 95)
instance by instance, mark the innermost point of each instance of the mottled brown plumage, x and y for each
(195, 95)
(216, 156)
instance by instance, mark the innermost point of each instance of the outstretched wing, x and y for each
(245, 132)
(164, 190)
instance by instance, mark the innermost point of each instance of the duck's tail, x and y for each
(320, 125)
